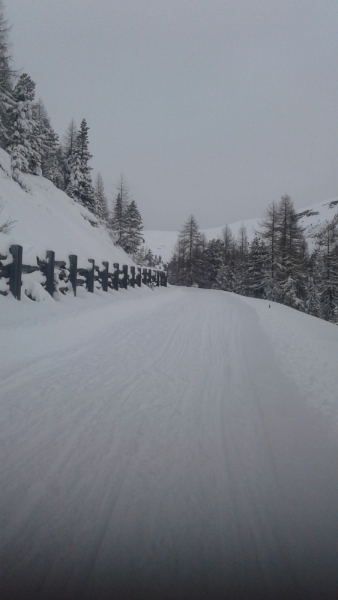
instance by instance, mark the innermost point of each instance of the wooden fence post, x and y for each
(149, 276)
(91, 276)
(49, 271)
(125, 277)
(132, 279)
(138, 277)
(73, 271)
(16, 271)
(105, 275)
(116, 276)
(157, 278)
(144, 278)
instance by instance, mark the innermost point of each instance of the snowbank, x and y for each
(47, 219)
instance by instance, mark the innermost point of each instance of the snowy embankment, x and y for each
(47, 219)
(176, 443)
(311, 218)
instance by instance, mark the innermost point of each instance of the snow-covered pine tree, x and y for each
(46, 142)
(102, 211)
(6, 78)
(20, 141)
(134, 229)
(80, 185)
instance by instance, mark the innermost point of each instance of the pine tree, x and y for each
(134, 229)
(20, 142)
(68, 151)
(6, 79)
(46, 143)
(102, 211)
(119, 224)
(80, 185)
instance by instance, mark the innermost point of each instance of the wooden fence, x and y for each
(70, 277)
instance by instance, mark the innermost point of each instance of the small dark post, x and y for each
(165, 279)
(157, 278)
(138, 277)
(105, 276)
(16, 271)
(116, 276)
(132, 279)
(149, 276)
(144, 278)
(125, 277)
(91, 276)
(73, 271)
(49, 271)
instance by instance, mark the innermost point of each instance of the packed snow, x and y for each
(176, 443)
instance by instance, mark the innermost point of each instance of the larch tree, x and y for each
(119, 224)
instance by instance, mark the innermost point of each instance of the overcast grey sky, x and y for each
(210, 107)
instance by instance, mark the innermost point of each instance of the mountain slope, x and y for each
(312, 218)
(47, 219)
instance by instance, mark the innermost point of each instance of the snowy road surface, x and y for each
(153, 448)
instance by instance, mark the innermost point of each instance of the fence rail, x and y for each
(62, 278)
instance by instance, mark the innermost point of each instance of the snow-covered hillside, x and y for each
(311, 219)
(47, 219)
(177, 444)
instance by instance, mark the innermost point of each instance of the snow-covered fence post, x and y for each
(104, 276)
(91, 276)
(116, 276)
(49, 271)
(144, 277)
(149, 277)
(138, 277)
(15, 271)
(125, 277)
(73, 271)
(132, 279)
(157, 278)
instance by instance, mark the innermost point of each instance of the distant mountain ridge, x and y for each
(311, 218)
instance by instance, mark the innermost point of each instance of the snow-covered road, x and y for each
(153, 448)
